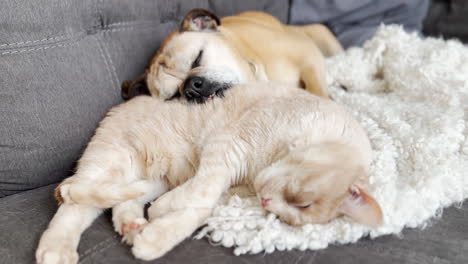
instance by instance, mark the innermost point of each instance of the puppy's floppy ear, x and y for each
(361, 207)
(131, 89)
(200, 20)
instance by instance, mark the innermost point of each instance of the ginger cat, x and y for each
(306, 157)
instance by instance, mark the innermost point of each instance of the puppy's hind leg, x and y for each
(128, 217)
(59, 242)
(313, 76)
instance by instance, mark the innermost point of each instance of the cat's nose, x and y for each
(265, 202)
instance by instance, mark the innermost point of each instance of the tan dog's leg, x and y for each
(322, 36)
(59, 242)
(313, 76)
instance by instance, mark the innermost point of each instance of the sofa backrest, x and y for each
(61, 65)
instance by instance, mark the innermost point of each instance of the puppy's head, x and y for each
(315, 185)
(196, 62)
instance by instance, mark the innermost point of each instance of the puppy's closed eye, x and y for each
(196, 62)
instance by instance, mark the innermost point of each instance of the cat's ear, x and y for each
(361, 207)
(200, 20)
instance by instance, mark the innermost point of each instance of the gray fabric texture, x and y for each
(61, 66)
(355, 21)
(28, 213)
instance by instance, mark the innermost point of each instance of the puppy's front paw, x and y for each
(56, 253)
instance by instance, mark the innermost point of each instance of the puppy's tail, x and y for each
(325, 40)
(101, 195)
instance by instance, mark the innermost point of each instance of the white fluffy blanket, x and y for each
(411, 95)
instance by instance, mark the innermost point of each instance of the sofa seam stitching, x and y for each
(24, 44)
(37, 48)
(112, 68)
(97, 15)
(90, 251)
(33, 41)
(86, 258)
(134, 23)
(105, 60)
(103, 47)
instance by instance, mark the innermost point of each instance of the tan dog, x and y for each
(236, 49)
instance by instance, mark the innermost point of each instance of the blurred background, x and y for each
(447, 18)
(355, 21)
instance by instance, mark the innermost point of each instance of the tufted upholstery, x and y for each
(61, 65)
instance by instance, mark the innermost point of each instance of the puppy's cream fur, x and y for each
(306, 154)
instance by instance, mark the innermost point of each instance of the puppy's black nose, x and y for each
(191, 94)
(196, 83)
(196, 87)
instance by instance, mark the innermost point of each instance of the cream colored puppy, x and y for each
(236, 49)
(306, 157)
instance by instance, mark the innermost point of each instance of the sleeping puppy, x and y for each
(306, 158)
(207, 55)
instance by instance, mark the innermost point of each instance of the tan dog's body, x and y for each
(290, 54)
(250, 46)
(306, 157)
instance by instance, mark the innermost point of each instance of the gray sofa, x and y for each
(61, 65)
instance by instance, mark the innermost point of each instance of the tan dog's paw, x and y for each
(57, 253)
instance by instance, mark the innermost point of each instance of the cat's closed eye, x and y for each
(303, 206)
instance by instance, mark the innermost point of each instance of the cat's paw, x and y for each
(157, 209)
(131, 229)
(168, 202)
(56, 253)
(62, 193)
(153, 242)
(128, 224)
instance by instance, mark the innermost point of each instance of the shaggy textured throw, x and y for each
(411, 96)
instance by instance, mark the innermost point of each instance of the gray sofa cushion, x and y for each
(61, 65)
(355, 21)
(25, 216)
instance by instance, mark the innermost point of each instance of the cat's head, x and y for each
(316, 184)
